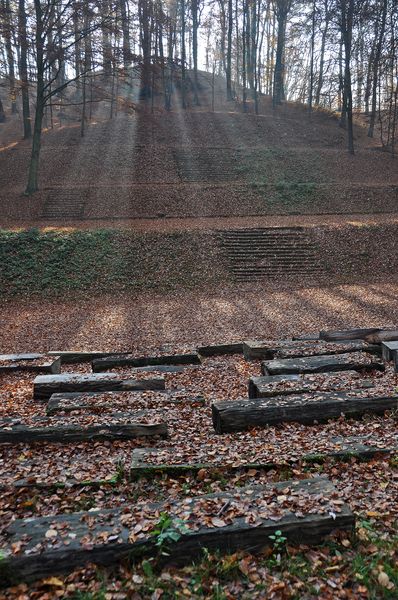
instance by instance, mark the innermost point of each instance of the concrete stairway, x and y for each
(208, 164)
(272, 253)
(64, 204)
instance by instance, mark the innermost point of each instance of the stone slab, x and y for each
(110, 538)
(46, 385)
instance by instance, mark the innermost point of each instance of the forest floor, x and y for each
(348, 566)
(132, 322)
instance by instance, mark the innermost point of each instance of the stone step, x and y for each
(272, 276)
(245, 233)
(115, 534)
(264, 231)
(61, 216)
(271, 269)
(246, 266)
(239, 415)
(277, 254)
(272, 273)
(264, 238)
(242, 268)
(64, 207)
(269, 253)
(266, 247)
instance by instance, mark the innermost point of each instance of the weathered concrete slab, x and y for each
(46, 385)
(238, 415)
(387, 350)
(163, 369)
(290, 349)
(131, 428)
(395, 359)
(372, 335)
(97, 401)
(352, 361)
(124, 360)
(69, 357)
(219, 349)
(140, 467)
(107, 536)
(261, 349)
(39, 363)
(280, 385)
(362, 447)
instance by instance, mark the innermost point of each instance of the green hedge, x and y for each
(104, 260)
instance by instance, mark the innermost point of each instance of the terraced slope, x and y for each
(200, 164)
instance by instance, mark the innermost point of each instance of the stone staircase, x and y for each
(271, 253)
(64, 204)
(208, 164)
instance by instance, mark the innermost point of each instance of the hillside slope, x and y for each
(199, 163)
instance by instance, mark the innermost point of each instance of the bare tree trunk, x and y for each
(376, 64)
(213, 84)
(282, 8)
(195, 26)
(223, 34)
(311, 94)
(77, 39)
(347, 14)
(244, 56)
(229, 51)
(23, 69)
(106, 39)
(87, 65)
(322, 55)
(7, 33)
(360, 66)
(145, 38)
(183, 56)
(2, 113)
(237, 57)
(268, 86)
(341, 106)
(253, 52)
(33, 184)
(260, 44)
(125, 21)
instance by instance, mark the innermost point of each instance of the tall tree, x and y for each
(125, 24)
(347, 17)
(195, 26)
(228, 71)
(8, 29)
(376, 64)
(2, 113)
(23, 70)
(327, 13)
(312, 59)
(282, 9)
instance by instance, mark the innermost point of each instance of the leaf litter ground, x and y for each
(370, 488)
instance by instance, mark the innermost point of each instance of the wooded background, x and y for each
(60, 55)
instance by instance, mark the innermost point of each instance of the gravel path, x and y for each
(209, 223)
